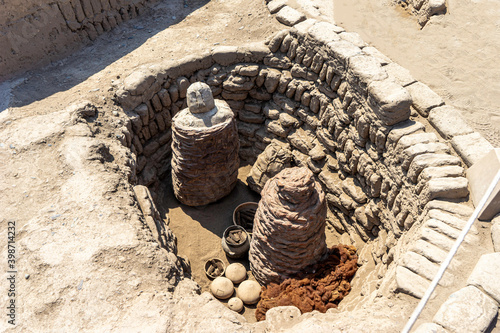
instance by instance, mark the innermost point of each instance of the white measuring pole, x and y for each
(450, 256)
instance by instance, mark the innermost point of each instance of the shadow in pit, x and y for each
(214, 217)
(92, 58)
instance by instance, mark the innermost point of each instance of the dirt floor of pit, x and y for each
(199, 229)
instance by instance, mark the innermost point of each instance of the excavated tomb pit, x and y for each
(333, 108)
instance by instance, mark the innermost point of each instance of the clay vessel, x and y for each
(233, 250)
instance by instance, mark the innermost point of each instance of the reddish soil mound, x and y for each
(320, 287)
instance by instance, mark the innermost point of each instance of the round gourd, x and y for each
(222, 287)
(235, 304)
(249, 292)
(236, 273)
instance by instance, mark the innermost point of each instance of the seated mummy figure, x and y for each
(204, 148)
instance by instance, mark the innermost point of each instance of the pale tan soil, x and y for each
(455, 54)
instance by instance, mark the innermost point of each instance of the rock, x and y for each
(225, 55)
(485, 275)
(414, 139)
(251, 117)
(352, 188)
(430, 328)
(235, 304)
(304, 26)
(364, 70)
(82, 109)
(282, 317)
(441, 172)
(450, 219)
(425, 268)
(424, 99)
(401, 75)
(275, 128)
(444, 188)
(272, 80)
(411, 283)
(289, 16)
(467, 310)
(495, 233)
(422, 148)
(460, 210)
(481, 176)
(275, 42)
(221, 287)
(287, 120)
(249, 70)
(249, 292)
(390, 100)
(248, 130)
(428, 250)
(437, 239)
(275, 5)
(301, 140)
(449, 231)
(372, 51)
(317, 153)
(343, 50)
(183, 84)
(430, 160)
(402, 129)
(271, 112)
(448, 122)
(353, 37)
(236, 272)
(471, 147)
(324, 32)
(187, 287)
(276, 157)
(137, 82)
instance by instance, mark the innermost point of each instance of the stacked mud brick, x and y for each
(341, 107)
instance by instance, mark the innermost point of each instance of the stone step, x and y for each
(467, 310)
(449, 231)
(411, 283)
(430, 251)
(486, 275)
(451, 220)
(460, 210)
(437, 238)
(430, 328)
(425, 268)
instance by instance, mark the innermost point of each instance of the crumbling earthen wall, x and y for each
(30, 29)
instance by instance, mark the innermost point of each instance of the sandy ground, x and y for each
(199, 229)
(454, 54)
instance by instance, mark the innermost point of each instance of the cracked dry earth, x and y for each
(86, 260)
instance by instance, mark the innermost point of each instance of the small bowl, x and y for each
(216, 263)
(240, 220)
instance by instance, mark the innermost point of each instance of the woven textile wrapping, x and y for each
(289, 226)
(204, 162)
